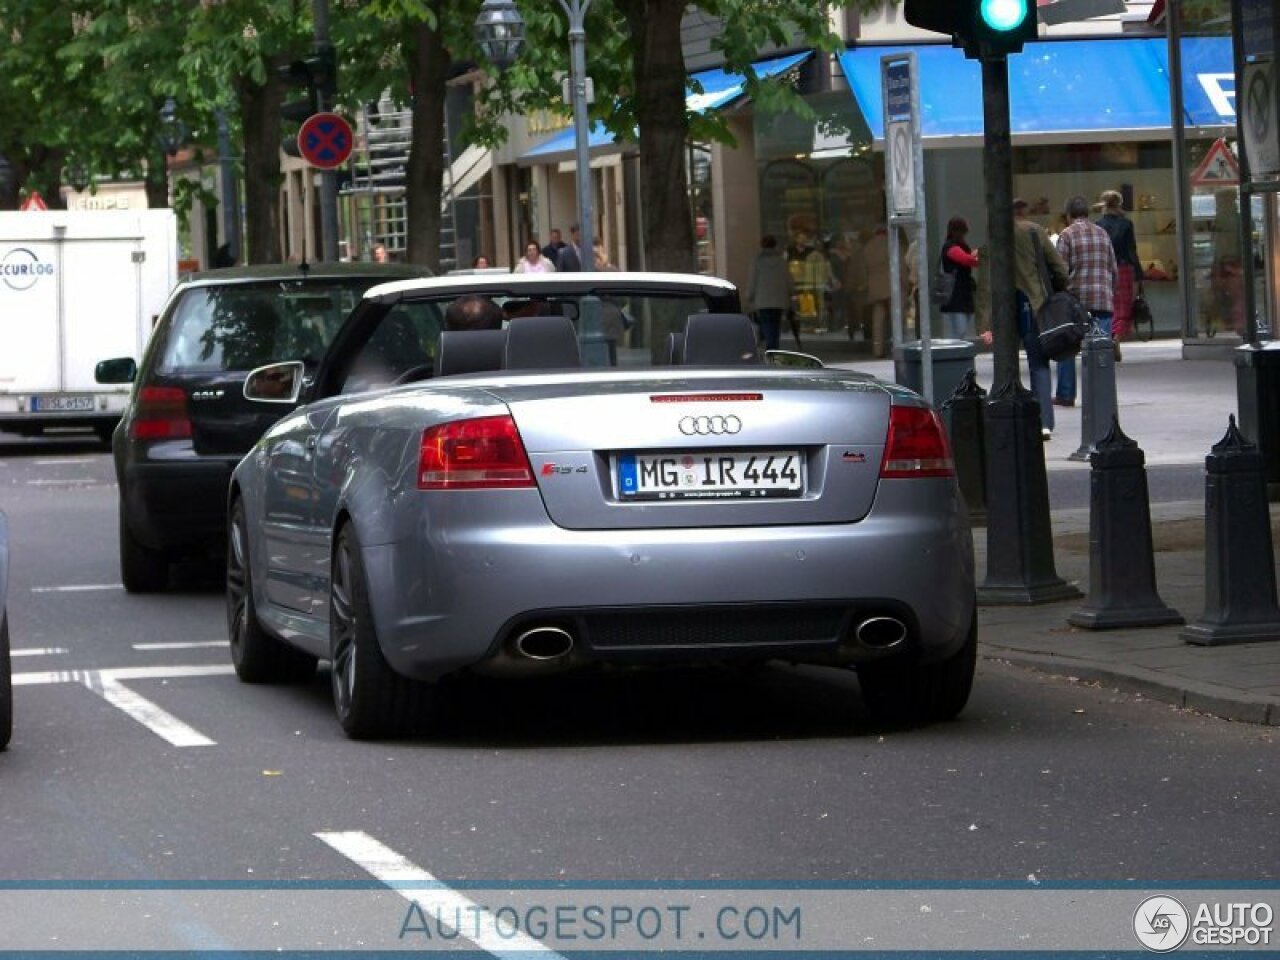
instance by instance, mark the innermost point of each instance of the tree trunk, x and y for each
(157, 182)
(660, 81)
(428, 71)
(260, 117)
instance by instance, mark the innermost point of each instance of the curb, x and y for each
(1205, 697)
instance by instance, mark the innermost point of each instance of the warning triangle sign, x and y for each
(1219, 168)
(34, 202)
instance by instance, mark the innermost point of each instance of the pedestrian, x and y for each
(876, 258)
(533, 260)
(1128, 267)
(1030, 248)
(552, 250)
(1090, 259)
(959, 258)
(380, 254)
(481, 262)
(770, 290)
(569, 259)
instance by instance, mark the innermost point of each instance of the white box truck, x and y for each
(76, 288)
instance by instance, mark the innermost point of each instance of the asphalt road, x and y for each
(138, 756)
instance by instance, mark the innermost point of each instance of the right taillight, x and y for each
(160, 414)
(917, 445)
(483, 453)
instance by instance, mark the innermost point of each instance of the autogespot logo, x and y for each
(709, 426)
(21, 268)
(1161, 924)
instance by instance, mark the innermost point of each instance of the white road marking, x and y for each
(78, 588)
(36, 651)
(58, 463)
(68, 482)
(194, 645)
(107, 684)
(435, 900)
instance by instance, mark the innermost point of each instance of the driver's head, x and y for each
(473, 312)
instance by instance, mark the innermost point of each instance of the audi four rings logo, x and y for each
(709, 426)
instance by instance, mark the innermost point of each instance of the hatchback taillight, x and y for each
(473, 454)
(160, 414)
(917, 445)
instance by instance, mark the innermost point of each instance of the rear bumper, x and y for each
(791, 592)
(179, 507)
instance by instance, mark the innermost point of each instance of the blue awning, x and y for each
(1065, 86)
(708, 90)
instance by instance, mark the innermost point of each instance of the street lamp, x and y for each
(77, 175)
(173, 132)
(500, 32)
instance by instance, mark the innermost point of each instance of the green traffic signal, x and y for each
(1003, 15)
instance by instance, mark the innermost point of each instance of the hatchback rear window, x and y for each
(245, 325)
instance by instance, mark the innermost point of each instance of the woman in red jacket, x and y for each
(961, 259)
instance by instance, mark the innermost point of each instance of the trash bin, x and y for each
(952, 359)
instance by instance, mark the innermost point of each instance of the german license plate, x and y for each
(713, 475)
(62, 403)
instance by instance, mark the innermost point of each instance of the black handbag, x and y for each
(1142, 317)
(943, 286)
(1062, 320)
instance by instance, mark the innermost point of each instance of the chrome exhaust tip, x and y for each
(544, 643)
(881, 633)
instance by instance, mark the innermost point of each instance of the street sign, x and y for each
(325, 140)
(1258, 126)
(901, 133)
(1219, 168)
(902, 167)
(34, 202)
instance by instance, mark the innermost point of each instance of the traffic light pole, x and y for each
(1020, 569)
(328, 178)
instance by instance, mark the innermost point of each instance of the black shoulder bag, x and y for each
(1062, 319)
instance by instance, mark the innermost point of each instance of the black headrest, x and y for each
(470, 351)
(720, 339)
(541, 343)
(674, 352)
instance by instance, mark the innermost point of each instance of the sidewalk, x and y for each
(1176, 410)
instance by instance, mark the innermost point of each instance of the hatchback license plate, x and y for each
(715, 475)
(62, 403)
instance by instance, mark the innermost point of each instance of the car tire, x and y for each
(371, 700)
(902, 691)
(6, 685)
(257, 656)
(142, 569)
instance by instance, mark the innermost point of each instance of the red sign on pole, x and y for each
(34, 202)
(1219, 168)
(325, 140)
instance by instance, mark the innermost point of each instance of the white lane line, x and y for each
(78, 588)
(194, 645)
(107, 684)
(36, 651)
(435, 900)
(58, 463)
(67, 482)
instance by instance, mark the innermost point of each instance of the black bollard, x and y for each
(1122, 569)
(1020, 568)
(1239, 566)
(962, 414)
(1097, 392)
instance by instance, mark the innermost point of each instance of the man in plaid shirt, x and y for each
(1090, 257)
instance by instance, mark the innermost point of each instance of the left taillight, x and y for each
(484, 453)
(160, 414)
(916, 446)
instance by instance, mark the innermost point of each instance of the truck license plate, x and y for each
(62, 403)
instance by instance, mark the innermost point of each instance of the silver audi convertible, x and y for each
(530, 473)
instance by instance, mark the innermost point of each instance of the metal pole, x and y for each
(999, 254)
(230, 191)
(328, 178)
(577, 10)
(1181, 194)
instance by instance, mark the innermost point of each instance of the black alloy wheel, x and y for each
(257, 656)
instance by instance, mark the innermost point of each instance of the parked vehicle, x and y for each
(6, 673)
(187, 422)
(76, 287)
(528, 513)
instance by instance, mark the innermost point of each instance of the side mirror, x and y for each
(275, 383)
(788, 358)
(118, 370)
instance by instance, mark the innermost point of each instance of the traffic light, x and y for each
(984, 28)
(318, 76)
